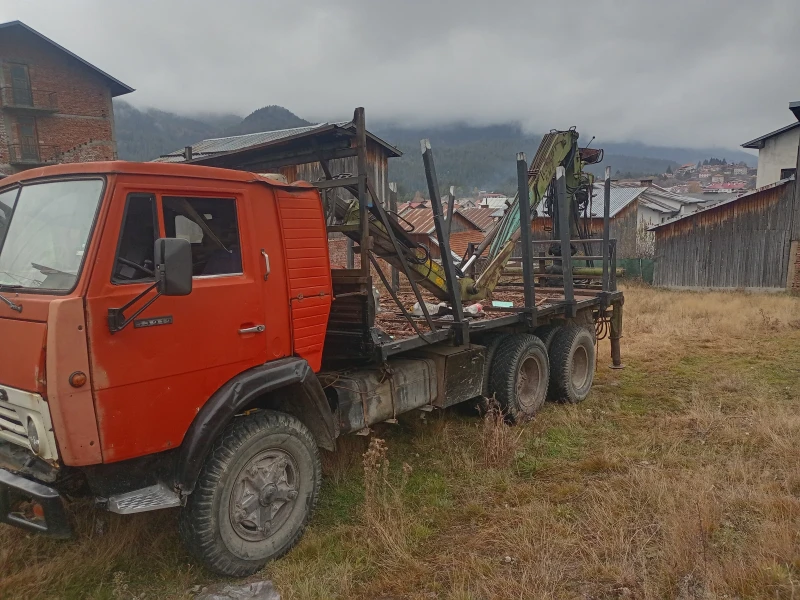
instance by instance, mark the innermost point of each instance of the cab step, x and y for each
(153, 497)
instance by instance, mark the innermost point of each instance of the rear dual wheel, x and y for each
(572, 364)
(519, 375)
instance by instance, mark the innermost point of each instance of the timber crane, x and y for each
(557, 148)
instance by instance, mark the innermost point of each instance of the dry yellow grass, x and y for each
(679, 477)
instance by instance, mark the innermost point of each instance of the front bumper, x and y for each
(32, 506)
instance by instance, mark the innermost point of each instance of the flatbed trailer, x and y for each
(363, 344)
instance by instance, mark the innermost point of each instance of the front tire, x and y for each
(255, 494)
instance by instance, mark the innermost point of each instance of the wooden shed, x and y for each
(294, 153)
(746, 242)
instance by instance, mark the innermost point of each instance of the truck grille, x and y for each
(11, 426)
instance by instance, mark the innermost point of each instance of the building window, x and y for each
(21, 86)
(211, 226)
(786, 173)
(135, 262)
(28, 138)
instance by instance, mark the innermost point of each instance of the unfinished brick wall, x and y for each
(793, 279)
(81, 128)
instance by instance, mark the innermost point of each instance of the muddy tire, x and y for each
(492, 343)
(546, 333)
(519, 376)
(254, 496)
(572, 363)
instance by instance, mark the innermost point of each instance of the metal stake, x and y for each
(525, 236)
(566, 248)
(453, 289)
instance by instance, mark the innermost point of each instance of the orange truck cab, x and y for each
(142, 306)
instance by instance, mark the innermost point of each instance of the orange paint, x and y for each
(71, 409)
(146, 385)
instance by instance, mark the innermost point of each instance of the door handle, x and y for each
(254, 329)
(266, 263)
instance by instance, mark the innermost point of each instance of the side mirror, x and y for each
(173, 258)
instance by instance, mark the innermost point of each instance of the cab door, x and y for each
(151, 378)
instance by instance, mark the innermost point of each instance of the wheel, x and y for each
(546, 334)
(492, 343)
(519, 375)
(572, 360)
(255, 494)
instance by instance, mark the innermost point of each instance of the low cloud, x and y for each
(683, 72)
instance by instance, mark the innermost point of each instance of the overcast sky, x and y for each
(687, 72)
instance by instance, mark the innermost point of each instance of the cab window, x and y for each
(211, 227)
(135, 261)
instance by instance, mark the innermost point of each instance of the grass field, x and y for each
(679, 477)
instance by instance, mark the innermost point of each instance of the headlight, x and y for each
(33, 436)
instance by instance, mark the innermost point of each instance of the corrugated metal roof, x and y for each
(421, 219)
(239, 142)
(482, 217)
(623, 194)
(231, 144)
(723, 203)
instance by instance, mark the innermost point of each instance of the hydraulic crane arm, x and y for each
(558, 148)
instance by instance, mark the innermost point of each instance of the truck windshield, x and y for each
(44, 229)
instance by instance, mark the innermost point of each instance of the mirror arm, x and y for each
(116, 317)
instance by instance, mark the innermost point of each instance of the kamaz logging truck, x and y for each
(174, 336)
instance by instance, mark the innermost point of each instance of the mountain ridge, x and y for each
(467, 156)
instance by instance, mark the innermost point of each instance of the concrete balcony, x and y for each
(30, 101)
(32, 155)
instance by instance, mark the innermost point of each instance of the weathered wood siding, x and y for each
(377, 170)
(740, 244)
(623, 229)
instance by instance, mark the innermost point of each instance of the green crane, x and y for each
(557, 148)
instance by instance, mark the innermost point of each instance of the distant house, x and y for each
(422, 229)
(716, 178)
(495, 201)
(777, 151)
(637, 207)
(725, 188)
(482, 217)
(56, 107)
(704, 175)
(740, 169)
(686, 169)
(421, 220)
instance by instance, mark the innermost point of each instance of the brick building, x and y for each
(54, 106)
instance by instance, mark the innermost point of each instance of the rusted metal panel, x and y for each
(369, 396)
(740, 243)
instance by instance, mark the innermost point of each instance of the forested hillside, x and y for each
(466, 156)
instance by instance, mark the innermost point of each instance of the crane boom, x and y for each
(557, 148)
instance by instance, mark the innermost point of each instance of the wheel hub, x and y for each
(263, 495)
(580, 368)
(528, 382)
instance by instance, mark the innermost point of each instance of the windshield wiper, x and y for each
(11, 304)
